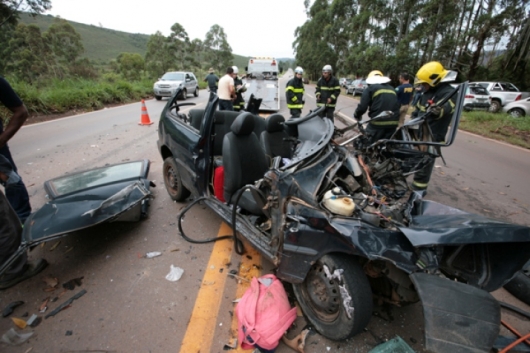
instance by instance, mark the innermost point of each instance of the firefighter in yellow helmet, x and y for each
(380, 96)
(434, 79)
(294, 93)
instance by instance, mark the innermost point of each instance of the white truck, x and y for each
(261, 83)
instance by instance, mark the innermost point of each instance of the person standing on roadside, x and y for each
(239, 102)
(212, 80)
(327, 92)
(294, 93)
(226, 91)
(11, 234)
(16, 194)
(404, 95)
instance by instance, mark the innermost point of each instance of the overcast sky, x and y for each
(253, 28)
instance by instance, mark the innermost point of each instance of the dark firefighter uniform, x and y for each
(294, 94)
(439, 125)
(379, 97)
(239, 102)
(327, 89)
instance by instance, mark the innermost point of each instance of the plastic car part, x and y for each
(445, 303)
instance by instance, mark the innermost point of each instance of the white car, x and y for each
(167, 85)
(518, 109)
(477, 98)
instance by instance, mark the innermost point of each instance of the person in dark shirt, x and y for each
(379, 97)
(327, 92)
(17, 194)
(404, 95)
(239, 87)
(11, 235)
(294, 93)
(212, 80)
(434, 79)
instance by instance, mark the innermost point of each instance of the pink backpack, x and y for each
(264, 313)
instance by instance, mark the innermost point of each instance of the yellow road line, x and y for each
(203, 321)
(250, 267)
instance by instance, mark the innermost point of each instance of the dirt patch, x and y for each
(510, 131)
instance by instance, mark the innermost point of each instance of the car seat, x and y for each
(275, 140)
(244, 163)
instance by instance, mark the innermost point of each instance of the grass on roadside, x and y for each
(60, 96)
(498, 126)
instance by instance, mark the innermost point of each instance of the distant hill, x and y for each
(102, 44)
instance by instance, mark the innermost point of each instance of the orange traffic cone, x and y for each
(144, 120)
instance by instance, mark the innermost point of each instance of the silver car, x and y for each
(518, 109)
(357, 87)
(167, 85)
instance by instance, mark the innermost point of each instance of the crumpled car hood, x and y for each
(439, 224)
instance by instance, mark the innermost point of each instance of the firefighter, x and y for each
(239, 102)
(327, 92)
(294, 93)
(380, 96)
(430, 77)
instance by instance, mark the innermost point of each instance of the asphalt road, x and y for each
(131, 307)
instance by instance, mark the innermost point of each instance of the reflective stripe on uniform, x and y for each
(384, 123)
(382, 91)
(295, 106)
(420, 185)
(324, 88)
(295, 90)
(327, 105)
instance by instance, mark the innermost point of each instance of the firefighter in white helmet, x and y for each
(239, 102)
(294, 93)
(327, 92)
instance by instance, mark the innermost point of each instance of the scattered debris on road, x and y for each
(174, 273)
(66, 303)
(8, 310)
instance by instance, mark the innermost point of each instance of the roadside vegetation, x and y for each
(498, 126)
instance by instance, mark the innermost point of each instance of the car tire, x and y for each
(519, 286)
(495, 106)
(173, 181)
(196, 93)
(184, 94)
(516, 113)
(322, 302)
(158, 97)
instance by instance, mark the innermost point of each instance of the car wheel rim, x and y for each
(323, 294)
(171, 180)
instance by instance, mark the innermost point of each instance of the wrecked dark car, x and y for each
(114, 193)
(334, 216)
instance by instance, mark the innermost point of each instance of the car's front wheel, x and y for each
(196, 93)
(516, 113)
(336, 297)
(184, 94)
(158, 98)
(495, 106)
(173, 181)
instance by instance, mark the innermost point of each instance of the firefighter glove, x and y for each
(436, 111)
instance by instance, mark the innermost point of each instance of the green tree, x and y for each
(9, 9)
(179, 43)
(158, 58)
(218, 53)
(65, 41)
(30, 55)
(131, 65)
